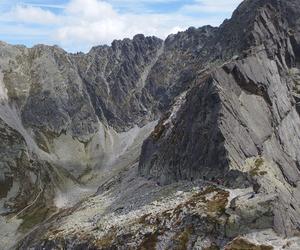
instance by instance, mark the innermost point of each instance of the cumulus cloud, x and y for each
(103, 24)
(97, 22)
(81, 24)
(31, 14)
(90, 10)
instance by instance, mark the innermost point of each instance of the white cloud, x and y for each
(31, 14)
(90, 10)
(96, 22)
(84, 23)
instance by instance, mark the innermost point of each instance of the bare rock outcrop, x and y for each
(241, 110)
(220, 168)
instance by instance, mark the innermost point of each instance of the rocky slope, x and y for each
(244, 110)
(220, 166)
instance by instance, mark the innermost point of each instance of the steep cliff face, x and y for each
(133, 81)
(52, 140)
(81, 118)
(28, 186)
(77, 110)
(243, 110)
(221, 162)
(115, 78)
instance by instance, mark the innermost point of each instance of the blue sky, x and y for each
(77, 25)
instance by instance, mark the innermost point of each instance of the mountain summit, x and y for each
(188, 143)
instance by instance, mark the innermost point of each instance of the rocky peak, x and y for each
(255, 23)
(222, 160)
(192, 39)
(241, 110)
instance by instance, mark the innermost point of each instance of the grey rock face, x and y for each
(133, 81)
(26, 183)
(238, 111)
(13, 149)
(228, 100)
(77, 117)
(72, 108)
(115, 78)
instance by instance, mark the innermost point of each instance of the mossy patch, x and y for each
(158, 131)
(211, 201)
(255, 171)
(263, 173)
(149, 242)
(216, 204)
(107, 241)
(181, 239)
(259, 162)
(35, 217)
(5, 185)
(144, 219)
(41, 140)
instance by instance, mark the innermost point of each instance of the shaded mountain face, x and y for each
(80, 119)
(207, 121)
(243, 110)
(248, 96)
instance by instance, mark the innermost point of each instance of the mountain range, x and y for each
(191, 142)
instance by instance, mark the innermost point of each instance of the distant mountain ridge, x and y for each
(185, 143)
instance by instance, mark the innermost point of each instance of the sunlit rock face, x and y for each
(53, 140)
(79, 119)
(244, 108)
(187, 143)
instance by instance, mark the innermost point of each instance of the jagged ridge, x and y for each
(233, 119)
